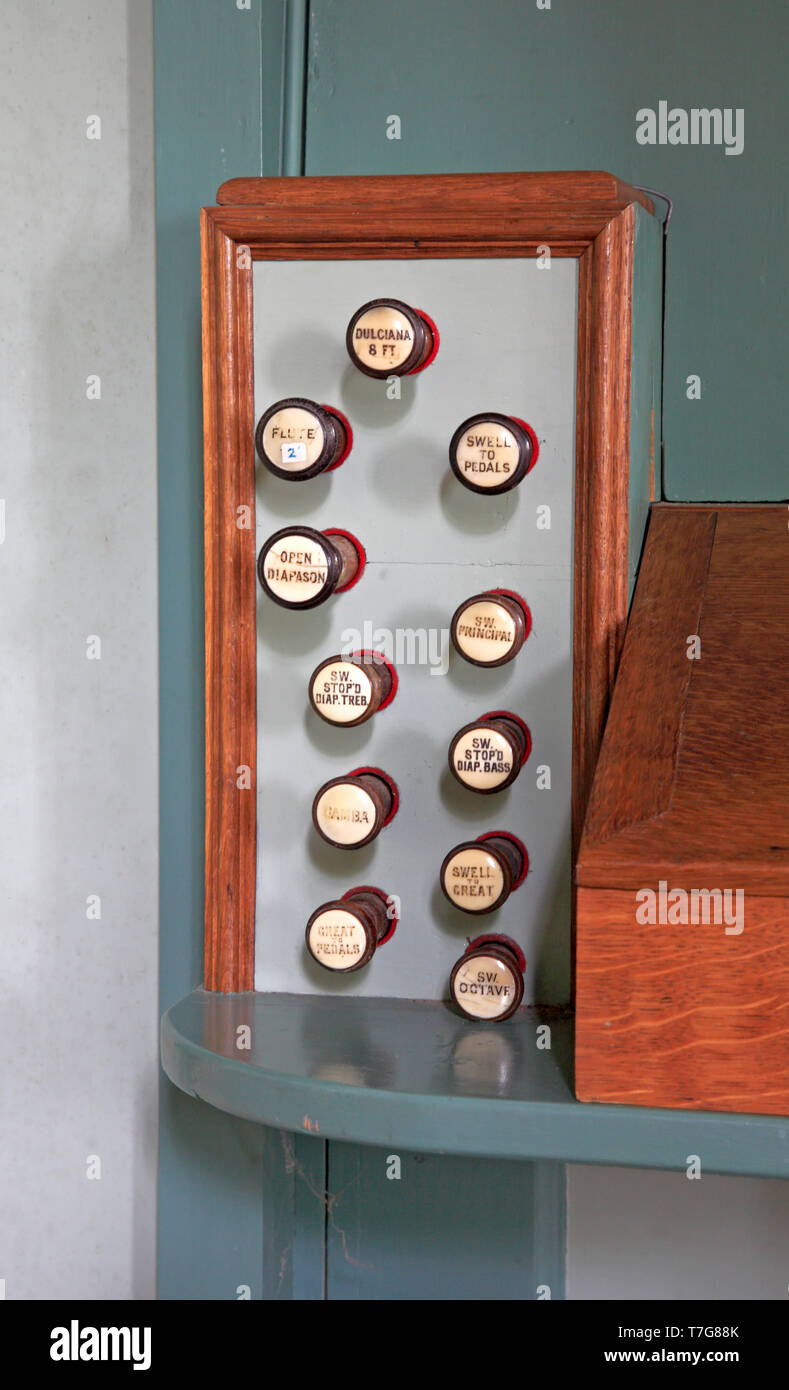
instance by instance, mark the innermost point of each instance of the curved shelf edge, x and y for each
(413, 1075)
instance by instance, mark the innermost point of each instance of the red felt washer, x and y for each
(379, 892)
(504, 940)
(431, 356)
(507, 835)
(379, 659)
(390, 782)
(510, 593)
(516, 719)
(360, 551)
(535, 443)
(346, 424)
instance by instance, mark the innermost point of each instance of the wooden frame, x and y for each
(684, 1009)
(590, 216)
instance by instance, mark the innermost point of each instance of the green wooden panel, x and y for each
(365, 1070)
(210, 1209)
(501, 84)
(294, 1217)
(294, 92)
(208, 126)
(414, 1226)
(272, 86)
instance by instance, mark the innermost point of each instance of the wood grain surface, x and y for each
(422, 215)
(694, 769)
(601, 490)
(692, 792)
(635, 780)
(230, 649)
(577, 193)
(682, 1016)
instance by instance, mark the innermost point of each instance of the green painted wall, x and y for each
(422, 1227)
(503, 84)
(208, 94)
(478, 84)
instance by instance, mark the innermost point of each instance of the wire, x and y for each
(657, 194)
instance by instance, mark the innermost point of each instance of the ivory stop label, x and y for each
(341, 691)
(386, 336)
(485, 631)
(492, 453)
(293, 439)
(346, 814)
(383, 337)
(473, 879)
(336, 938)
(487, 454)
(484, 986)
(483, 759)
(295, 568)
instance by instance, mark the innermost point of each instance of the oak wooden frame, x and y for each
(690, 790)
(587, 215)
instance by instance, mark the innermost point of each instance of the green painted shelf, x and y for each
(416, 1076)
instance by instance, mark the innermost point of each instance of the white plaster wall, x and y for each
(78, 759)
(646, 1235)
